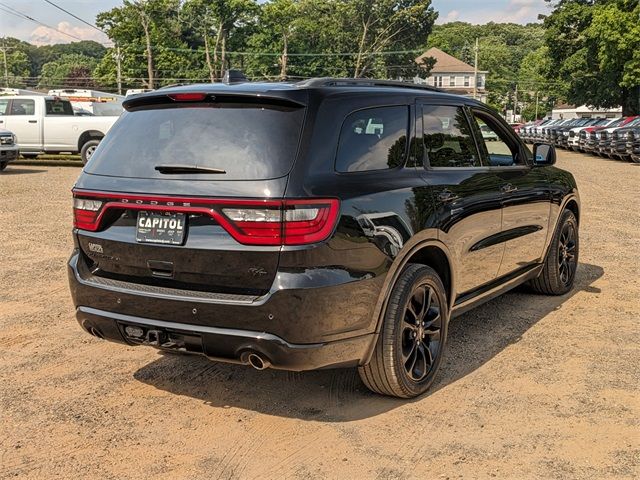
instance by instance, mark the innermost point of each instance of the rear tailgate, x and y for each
(251, 147)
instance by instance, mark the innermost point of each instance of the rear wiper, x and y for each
(177, 169)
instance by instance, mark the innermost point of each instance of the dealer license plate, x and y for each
(166, 228)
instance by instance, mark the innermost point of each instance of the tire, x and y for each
(3, 165)
(399, 366)
(559, 272)
(87, 150)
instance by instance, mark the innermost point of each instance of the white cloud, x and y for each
(47, 36)
(451, 16)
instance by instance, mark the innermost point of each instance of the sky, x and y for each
(473, 11)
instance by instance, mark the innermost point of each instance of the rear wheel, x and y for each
(411, 344)
(560, 267)
(88, 149)
(3, 165)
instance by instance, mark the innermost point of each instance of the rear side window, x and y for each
(4, 104)
(244, 141)
(373, 139)
(58, 107)
(448, 141)
(23, 107)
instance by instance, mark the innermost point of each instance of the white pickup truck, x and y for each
(46, 124)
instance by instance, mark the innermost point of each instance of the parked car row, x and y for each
(608, 137)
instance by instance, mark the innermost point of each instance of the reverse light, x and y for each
(85, 213)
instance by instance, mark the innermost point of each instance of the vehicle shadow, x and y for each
(19, 171)
(339, 395)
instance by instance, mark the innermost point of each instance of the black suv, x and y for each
(327, 223)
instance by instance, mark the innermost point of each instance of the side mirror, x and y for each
(544, 154)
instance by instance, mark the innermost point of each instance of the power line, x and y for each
(17, 13)
(75, 16)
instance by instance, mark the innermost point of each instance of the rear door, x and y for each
(525, 193)
(467, 196)
(205, 168)
(25, 122)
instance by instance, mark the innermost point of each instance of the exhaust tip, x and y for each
(258, 362)
(96, 333)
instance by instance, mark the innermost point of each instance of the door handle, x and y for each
(508, 188)
(447, 196)
(33, 121)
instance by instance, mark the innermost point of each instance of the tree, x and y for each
(503, 47)
(146, 29)
(70, 70)
(279, 17)
(593, 46)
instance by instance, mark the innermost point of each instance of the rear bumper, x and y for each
(224, 344)
(295, 329)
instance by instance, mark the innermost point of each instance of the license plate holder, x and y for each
(161, 227)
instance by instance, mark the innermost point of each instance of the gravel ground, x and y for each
(532, 386)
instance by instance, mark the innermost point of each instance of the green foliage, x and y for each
(594, 46)
(504, 48)
(69, 70)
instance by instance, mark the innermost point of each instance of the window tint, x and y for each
(58, 107)
(4, 103)
(448, 141)
(247, 141)
(373, 139)
(21, 106)
(496, 149)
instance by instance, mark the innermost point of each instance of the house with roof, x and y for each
(453, 75)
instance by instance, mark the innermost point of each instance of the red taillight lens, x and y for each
(295, 222)
(86, 213)
(251, 222)
(309, 221)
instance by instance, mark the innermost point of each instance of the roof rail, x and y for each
(363, 82)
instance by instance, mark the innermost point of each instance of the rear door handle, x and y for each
(33, 121)
(447, 196)
(508, 188)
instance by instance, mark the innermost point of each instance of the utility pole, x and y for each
(475, 73)
(537, 105)
(118, 58)
(515, 105)
(6, 68)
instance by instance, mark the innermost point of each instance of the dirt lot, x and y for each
(532, 387)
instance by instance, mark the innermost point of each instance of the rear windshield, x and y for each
(244, 141)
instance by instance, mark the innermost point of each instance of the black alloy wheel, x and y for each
(421, 332)
(567, 258)
(559, 271)
(411, 343)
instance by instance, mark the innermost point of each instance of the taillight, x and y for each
(85, 213)
(293, 222)
(251, 222)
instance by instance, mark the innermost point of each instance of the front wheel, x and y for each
(3, 165)
(413, 336)
(560, 267)
(88, 149)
